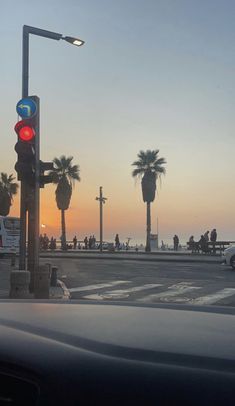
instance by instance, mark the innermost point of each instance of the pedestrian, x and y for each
(93, 242)
(86, 242)
(90, 242)
(191, 243)
(203, 244)
(51, 245)
(45, 242)
(176, 242)
(75, 242)
(206, 236)
(54, 244)
(163, 247)
(117, 241)
(213, 238)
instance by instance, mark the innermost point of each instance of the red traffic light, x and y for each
(24, 131)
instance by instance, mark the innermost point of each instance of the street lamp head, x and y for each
(74, 41)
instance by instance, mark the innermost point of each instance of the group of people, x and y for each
(203, 242)
(90, 243)
(45, 243)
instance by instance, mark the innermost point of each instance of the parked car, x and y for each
(229, 255)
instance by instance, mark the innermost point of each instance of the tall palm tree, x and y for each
(64, 175)
(149, 168)
(8, 188)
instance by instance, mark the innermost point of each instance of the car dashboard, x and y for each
(88, 353)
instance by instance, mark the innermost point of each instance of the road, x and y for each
(147, 282)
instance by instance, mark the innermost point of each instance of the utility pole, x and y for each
(157, 235)
(101, 199)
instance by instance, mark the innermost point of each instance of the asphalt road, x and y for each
(147, 282)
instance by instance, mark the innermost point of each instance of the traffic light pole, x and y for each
(23, 192)
(29, 194)
(33, 206)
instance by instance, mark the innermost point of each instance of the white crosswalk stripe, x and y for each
(214, 297)
(182, 292)
(121, 293)
(172, 291)
(98, 286)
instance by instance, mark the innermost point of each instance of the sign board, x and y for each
(26, 108)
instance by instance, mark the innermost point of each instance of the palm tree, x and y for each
(64, 175)
(148, 168)
(8, 188)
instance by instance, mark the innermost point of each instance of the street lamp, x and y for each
(74, 41)
(41, 33)
(33, 251)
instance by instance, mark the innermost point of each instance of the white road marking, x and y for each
(174, 290)
(98, 286)
(121, 293)
(214, 297)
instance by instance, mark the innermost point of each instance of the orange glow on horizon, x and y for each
(125, 213)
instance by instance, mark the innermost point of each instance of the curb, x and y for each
(217, 260)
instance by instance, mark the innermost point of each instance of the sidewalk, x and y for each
(159, 256)
(56, 292)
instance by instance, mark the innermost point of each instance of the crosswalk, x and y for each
(182, 292)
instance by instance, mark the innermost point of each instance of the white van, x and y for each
(9, 234)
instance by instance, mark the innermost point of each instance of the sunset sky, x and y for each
(153, 74)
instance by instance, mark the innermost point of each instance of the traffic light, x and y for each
(43, 179)
(27, 146)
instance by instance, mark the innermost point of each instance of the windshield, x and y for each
(117, 153)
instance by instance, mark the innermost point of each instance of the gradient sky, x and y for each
(153, 74)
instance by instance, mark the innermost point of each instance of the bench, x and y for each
(210, 248)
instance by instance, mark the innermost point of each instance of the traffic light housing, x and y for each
(44, 179)
(27, 146)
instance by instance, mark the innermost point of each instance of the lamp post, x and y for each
(32, 193)
(101, 199)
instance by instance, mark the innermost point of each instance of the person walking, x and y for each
(90, 242)
(45, 242)
(54, 244)
(86, 242)
(176, 242)
(93, 242)
(213, 238)
(75, 242)
(51, 244)
(117, 242)
(206, 236)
